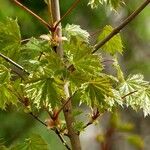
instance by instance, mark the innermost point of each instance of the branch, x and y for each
(55, 130)
(123, 97)
(13, 63)
(33, 14)
(68, 11)
(64, 104)
(121, 26)
(69, 118)
(43, 123)
(67, 110)
(38, 119)
(94, 116)
(57, 33)
(62, 107)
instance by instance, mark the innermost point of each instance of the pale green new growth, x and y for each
(114, 4)
(114, 45)
(41, 86)
(140, 98)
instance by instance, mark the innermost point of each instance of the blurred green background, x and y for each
(136, 59)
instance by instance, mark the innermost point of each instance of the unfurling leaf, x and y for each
(76, 32)
(114, 45)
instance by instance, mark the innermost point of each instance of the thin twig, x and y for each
(33, 14)
(50, 12)
(107, 60)
(37, 118)
(94, 116)
(62, 139)
(64, 104)
(95, 32)
(121, 26)
(13, 63)
(54, 129)
(67, 12)
(25, 40)
(123, 97)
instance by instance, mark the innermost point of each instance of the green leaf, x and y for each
(114, 45)
(10, 37)
(94, 92)
(44, 91)
(120, 74)
(4, 75)
(76, 32)
(6, 97)
(142, 98)
(140, 93)
(34, 142)
(115, 100)
(55, 66)
(94, 3)
(31, 53)
(114, 4)
(78, 126)
(79, 54)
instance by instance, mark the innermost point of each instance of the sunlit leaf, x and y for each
(136, 92)
(10, 37)
(114, 4)
(95, 91)
(79, 54)
(44, 91)
(6, 97)
(120, 74)
(4, 74)
(114, 45)
(76, 32)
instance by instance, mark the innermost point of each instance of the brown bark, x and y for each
(67, 110)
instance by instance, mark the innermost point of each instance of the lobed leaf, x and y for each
(10, 37)
(75, 31)
(44, 91)
(6, 96)
(140, 93)
(79, 54)
(114, 45)
(94, 92)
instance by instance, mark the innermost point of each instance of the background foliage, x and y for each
(16, 126)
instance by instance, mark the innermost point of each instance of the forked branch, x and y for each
(33, 14)
(68, 11)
